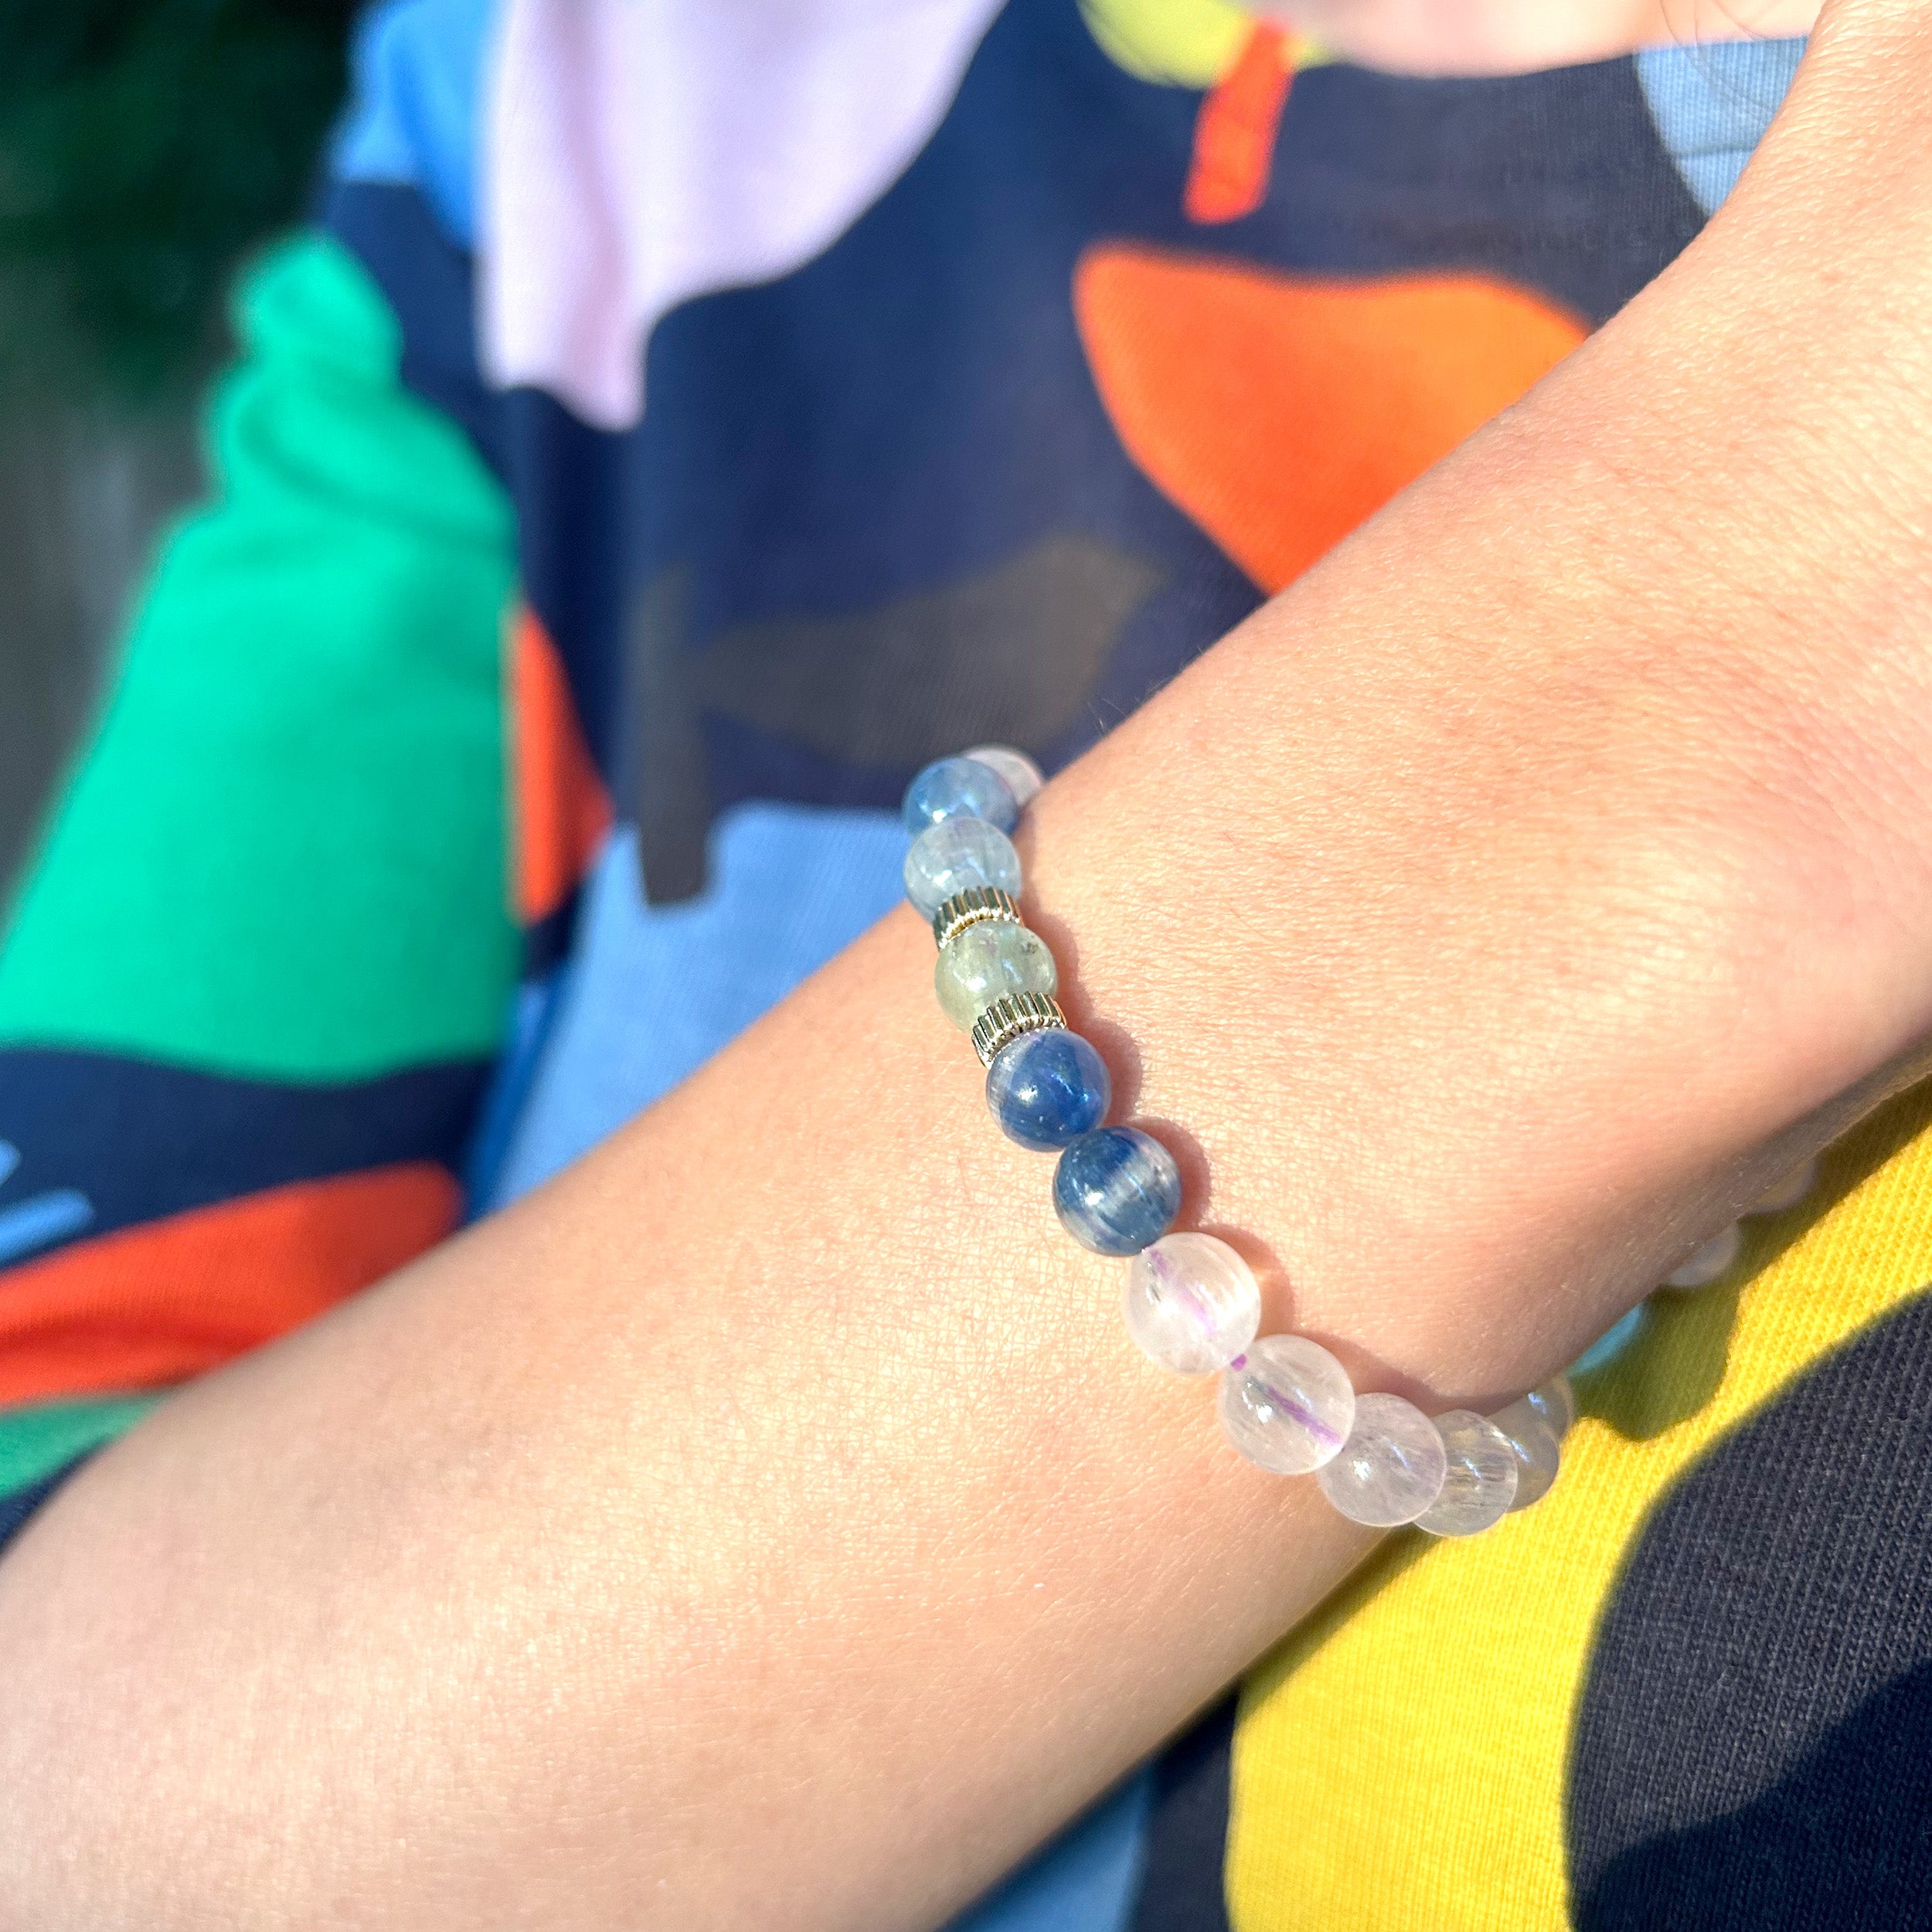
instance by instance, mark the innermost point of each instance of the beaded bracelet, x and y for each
(1703, 1268)
(1190, 1301)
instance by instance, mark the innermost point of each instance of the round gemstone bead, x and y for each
(1192, 1302)
(1287, 1405)
(1555, 1401)
(959, 788)
(1539, 1454)
(1479, 1478)
(1023, 778)
(1047, 1089)
(1116, 1190)
(956, 855)
(1392, 1466)
(1611, 1343)
(983, 963)
(1716, 1257)
(1789, 1191)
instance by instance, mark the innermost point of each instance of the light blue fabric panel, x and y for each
(1712, 102)
(1086, 1881)
(656, 990)
(417, 93)
(538, 1002)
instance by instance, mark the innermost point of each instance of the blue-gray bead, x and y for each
(1117, 1190)
(1611, 1344)
(1047, 1089)
(955, 855)
(959, 788)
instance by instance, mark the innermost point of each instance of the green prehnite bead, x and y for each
(986, 962)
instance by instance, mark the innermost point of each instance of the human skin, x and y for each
(1503, 36)
(768, 1523)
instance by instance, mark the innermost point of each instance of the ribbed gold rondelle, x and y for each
(973, 907)
(1010, 1016)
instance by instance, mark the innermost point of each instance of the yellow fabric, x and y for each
(1188, 43)
(1400, 1763)
(1183, 43)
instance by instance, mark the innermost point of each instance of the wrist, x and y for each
(1471, 959)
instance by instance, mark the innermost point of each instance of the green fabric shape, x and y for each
(284, 856)
(36, 1440)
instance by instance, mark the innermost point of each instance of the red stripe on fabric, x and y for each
(1234, 133)
(172, 1299)
(563, 812)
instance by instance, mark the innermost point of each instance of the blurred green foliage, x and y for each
(145, 146)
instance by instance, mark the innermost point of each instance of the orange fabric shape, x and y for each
(1234, 132)
(1279, 412)
(169, 1299)
(563, 812)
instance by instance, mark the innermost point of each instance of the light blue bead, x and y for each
(1048, 1089)
(1117, 1190)
(956, 855)
(959, 788)
(1610, 1344)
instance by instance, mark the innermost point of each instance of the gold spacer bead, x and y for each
(1012, 1016)
(974, 906)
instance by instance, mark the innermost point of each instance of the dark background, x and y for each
(146, 147)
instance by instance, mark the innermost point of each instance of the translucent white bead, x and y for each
(1287, 1404)
(1479, 1480)
(1539, 1455)
(1192, 1302)
(1555, 1401)
(955, 854)
(1717, 1257)
(1023, 778)
(986, 962)
(1392, 1466)
(1789, 1191)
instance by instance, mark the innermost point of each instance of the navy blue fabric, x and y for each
(17, 1509)
(79, 1118)
(566, 478)
(430, 281)
(1556, 181)
(1753, 1745)
(1187, 1834)
(912, 409)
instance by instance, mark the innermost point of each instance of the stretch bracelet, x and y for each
(1190, 1299)
(1704, 1268)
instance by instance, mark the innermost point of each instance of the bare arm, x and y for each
(769, 1522)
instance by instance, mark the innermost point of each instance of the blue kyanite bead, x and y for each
(1048, 1089)
(1117, 1190)
(959, 788)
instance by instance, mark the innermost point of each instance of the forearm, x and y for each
(770, 1521)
